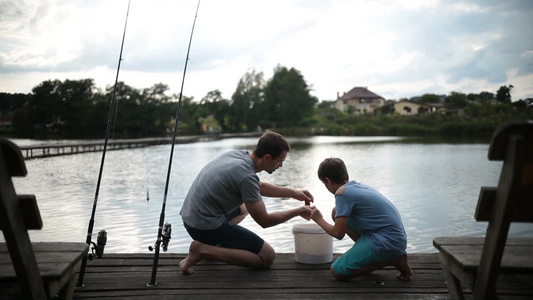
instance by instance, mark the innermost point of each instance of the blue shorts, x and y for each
(358, 257)
(228, 236)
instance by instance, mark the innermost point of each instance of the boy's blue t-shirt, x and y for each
(372, 214)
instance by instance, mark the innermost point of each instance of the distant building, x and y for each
(434, 107)
(359, 100)
(6, 122)
(407, 108)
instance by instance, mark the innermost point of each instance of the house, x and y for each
(408, 108)
(434, 107)
(359, 100)
(5, 122)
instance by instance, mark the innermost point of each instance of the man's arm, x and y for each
(271, 190)
(259, 213)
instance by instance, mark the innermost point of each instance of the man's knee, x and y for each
(267, 255)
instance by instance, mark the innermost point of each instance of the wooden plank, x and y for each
(500, 138)
(500, 219)
(286, 279)
(53, 247)
(522, 212)
(511, 241)
(515, 258)
(12, 223)
(30, 212)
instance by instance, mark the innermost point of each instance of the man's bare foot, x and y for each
(191, 259)
(184, 269)
(402, 264)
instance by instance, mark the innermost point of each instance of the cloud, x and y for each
(396, 48)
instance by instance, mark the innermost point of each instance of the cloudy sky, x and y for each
(396, 48)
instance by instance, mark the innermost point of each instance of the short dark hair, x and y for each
(334, 169)
(271, 143)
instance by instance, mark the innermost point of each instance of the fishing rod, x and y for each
(164, 230)
(102, 235)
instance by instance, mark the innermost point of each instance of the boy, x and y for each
(369, 218)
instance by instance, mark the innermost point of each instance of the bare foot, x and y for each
(184, 269)
(191, 259)
(402, 264)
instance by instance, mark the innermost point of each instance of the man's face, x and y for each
(272, 164)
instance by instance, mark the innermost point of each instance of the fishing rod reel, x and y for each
(165, 237)
(98, 248)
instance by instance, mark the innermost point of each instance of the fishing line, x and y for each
(102, 238)
(166, 235)
(278, 107)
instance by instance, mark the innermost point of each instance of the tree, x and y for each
(503, 95)
(76, 101)
(287, 99)
(12, 102)
(430, 98)
(218, 107)
(45, 104)
(485, 97)
(246, 102)
(456, 100)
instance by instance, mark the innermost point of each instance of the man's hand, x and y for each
(306, 212)
(303, 195)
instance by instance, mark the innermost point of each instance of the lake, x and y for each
(434, 185)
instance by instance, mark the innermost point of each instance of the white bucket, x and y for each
(312, 244)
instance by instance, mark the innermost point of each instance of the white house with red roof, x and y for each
(360, 101)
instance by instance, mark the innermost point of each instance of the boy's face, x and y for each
(330, 186)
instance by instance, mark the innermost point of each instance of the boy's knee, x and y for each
(333, 213)
(338, 276)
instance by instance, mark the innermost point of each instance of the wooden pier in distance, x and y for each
(54, 149)
(124, 276)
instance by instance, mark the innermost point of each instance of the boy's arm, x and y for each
(337, 230)
(271, 190)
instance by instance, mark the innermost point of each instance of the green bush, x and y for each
(367, 129)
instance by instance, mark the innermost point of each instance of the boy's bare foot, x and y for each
(402, 264)
(191, 259)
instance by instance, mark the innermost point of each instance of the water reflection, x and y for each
(435, 187)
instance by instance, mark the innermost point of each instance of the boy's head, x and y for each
(334, 169)
(271, 143)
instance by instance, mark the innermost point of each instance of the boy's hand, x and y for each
(305, 212)
(316, 215)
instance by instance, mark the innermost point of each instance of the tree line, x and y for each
(78, 109)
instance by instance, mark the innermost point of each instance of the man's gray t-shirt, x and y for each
(220, 188)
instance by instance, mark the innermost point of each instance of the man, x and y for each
(224, 191)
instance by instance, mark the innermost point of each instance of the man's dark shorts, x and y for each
(228, 236)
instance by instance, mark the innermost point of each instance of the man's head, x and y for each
(272, 148)
(271, 143)
(334, 169)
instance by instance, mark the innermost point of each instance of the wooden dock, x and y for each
(54, 149)
(124, 276)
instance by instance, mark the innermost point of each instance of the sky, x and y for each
(397, 49)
